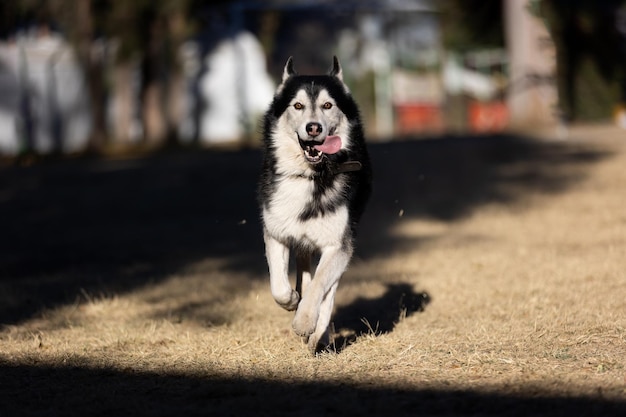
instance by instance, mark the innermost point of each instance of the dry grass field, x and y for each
(490, 279)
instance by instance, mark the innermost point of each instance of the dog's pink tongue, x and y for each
(331, 145)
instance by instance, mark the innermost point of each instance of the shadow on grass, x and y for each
(101, 226)
(449, 178)
(75, 391)
(376, 315)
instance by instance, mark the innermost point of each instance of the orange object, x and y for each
(418, 117)
(488, 116)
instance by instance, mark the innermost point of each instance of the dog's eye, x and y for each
(298, 106)
(327, 105)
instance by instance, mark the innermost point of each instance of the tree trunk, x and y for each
(93, 66)
(123, 103)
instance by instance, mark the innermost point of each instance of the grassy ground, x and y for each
(489, 280)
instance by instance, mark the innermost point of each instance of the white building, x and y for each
(43, 106)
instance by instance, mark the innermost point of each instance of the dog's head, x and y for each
(314, 111)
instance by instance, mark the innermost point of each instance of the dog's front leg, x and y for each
(333, 263)
(321, 337)
(277, 255)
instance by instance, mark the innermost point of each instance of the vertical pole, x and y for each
(532, 96)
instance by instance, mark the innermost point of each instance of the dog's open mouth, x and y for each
(314, 150)
(312, 155)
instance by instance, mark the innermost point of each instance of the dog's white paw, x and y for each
(315, 344)
(289, 302)
(304, 323)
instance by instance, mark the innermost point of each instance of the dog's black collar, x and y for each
(348, 166)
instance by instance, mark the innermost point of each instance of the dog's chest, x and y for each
(293, 197)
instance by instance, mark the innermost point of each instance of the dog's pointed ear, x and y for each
(336, 70)
(288, 71)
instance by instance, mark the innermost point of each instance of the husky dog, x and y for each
(315, 183)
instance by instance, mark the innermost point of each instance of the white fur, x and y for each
(282, 222)
(318, 293)
(293, 124)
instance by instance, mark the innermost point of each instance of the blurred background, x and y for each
(79, 75)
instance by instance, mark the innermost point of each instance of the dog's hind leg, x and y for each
(278, 261)
(303, 270)
(333, 263)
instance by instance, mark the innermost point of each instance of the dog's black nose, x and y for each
(313, 128)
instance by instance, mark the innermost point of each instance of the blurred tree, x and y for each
(472, 24)
(468, 25)
(147, 32)
(150, 33)
(590, 54)
(76, 19)
(82, 32)
(10, 17)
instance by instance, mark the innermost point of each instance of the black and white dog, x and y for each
(314, 186)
